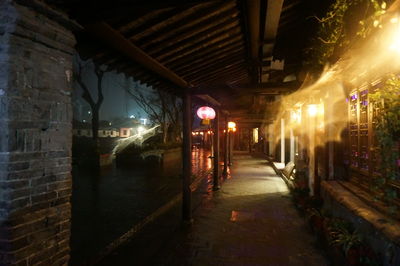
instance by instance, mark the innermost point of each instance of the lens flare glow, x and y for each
(312, 110)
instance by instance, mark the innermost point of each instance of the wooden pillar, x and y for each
(230, 148)
(292, 145)
(312, 169)
(216, 151)
(226, 148)
(250, 138)
(271, 141)
(187, 159)
(282, 140)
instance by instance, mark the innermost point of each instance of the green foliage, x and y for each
(332, 33)
(387, 131)
(342, 234)
(374, 21)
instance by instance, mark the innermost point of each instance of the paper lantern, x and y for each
(206, 112)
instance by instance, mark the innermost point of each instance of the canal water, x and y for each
(106, 205)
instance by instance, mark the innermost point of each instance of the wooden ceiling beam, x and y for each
(171, 20)
(205, 50)
(103, 10)
(218, 62)
(253, 16)
(217, 72)
(211, 62)
(223, 78)
(218, 76)
(196, 45)
(177, 45)
(128, 28)
(219, 65)
(290, 6)
(205, 55)
(200, 22)
(111, 37)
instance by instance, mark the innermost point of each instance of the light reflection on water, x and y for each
(107, 204)
(200, 160)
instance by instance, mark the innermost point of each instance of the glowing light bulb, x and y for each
(312, 109)
(394, 20)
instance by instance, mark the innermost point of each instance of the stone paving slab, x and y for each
(250, 221)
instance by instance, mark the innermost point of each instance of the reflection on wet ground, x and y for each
(106, 205)
(250, 221)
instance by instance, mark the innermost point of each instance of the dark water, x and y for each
(105, 205)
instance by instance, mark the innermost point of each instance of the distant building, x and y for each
(109, 132)
(82, 129)
(82, 132)
(124, 132)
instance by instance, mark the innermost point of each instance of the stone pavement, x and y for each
(250, 221)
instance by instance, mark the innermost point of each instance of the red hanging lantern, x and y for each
(206, 112)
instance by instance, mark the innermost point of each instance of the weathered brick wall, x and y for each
(35, 137)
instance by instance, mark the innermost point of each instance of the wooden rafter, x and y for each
(205, 19)
(114, 39)
(204, 64)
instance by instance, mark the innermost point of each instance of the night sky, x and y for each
(117, 102)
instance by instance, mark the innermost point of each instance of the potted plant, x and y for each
(316, 220)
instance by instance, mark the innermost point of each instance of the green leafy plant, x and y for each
(387, 130)
(347, 240)
(333, 31)
(342, 234)
(330, 34)
(374, 20)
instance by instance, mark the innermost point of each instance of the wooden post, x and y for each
(187, 159)
(311, 162)
(230, 146)
(282, 140)
(216, 151)
(226, 146)
(292, 145)
(250, 139)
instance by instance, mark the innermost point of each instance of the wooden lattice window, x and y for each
(364, 149)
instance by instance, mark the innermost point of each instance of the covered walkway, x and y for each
(250, 221)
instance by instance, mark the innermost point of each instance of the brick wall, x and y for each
(35, 137)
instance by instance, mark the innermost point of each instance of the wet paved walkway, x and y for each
(250, 221)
